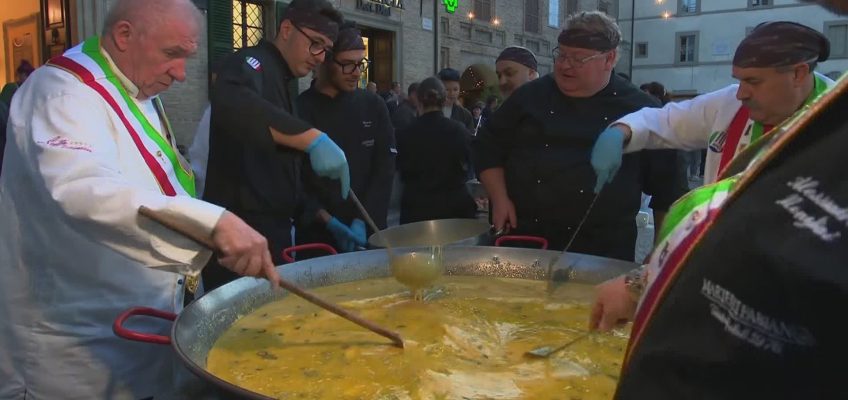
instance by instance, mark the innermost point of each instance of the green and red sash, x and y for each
(87, 62)
(691, 217)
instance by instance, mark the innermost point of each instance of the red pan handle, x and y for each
(309, 246)
(518, 238)
(122, 332)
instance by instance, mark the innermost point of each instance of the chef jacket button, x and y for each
(606, 119)
(546, 145)
(179, 282)
(538, 181)
(552, 112)
(569, 228)
(581, 190)
(615, 93)
(536, 220)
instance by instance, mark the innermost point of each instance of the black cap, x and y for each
(318, 15)
(521, 55)
(780, 44)
(349, 38)
(449, 75)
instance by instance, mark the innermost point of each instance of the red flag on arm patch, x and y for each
(254, 63)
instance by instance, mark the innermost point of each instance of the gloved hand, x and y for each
(606, 155)
(345, 238)
(328, 160)
(359, 232)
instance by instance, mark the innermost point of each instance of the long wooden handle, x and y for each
(191, 233)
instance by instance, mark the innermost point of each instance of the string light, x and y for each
(666, 15)
(471, 15)
(496, 21)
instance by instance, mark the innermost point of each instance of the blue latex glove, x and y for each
(606, 156)
(328, 160)
(345, 238)
(358, 229)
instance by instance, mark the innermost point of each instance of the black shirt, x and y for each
(543, 140)
(758, 310)
(248, 173)
(404, 115)
(359, 123)
(432, 159)
(247, 170)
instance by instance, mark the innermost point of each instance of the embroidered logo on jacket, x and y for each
(65, 143)
(254, 63)
(717, 140)
(368, 143)
(758, 329)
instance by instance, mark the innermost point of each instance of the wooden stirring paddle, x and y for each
(204, 240)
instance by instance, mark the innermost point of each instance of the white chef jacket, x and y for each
(198, 152)
(688, 125)
(74, 253)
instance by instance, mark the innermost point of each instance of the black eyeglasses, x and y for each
(316, 47)
(349, 67)
(573, 61)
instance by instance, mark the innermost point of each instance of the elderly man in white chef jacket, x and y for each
(774, 65)
(88, 144)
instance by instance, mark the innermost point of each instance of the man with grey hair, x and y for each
(533, 154)
(90, 144)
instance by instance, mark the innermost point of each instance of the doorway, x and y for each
(34, 31)
(381, 52)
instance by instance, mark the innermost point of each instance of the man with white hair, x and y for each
(90, 144)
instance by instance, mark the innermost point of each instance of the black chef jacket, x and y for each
(463, 116)
(543, 139)
(432, 159)
(758, 311)
(248, 173)
(404, 115)
(359, 123)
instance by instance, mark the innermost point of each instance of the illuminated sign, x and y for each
(450, 5)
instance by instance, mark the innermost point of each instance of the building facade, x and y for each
(407, 40)
(688, 45)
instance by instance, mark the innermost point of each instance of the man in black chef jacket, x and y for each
(533, 154)
(359, 122)
(452, 109)
(256, 144)
(750, 305)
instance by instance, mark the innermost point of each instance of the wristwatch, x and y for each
(635, 281)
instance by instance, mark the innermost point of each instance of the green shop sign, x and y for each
(450, 5)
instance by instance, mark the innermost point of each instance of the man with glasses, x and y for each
(533, 154)
(256, 144)
(359, 122)
(774, 65)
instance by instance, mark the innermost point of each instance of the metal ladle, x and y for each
(415, 270)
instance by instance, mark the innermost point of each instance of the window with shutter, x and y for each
(483, 10)
(531, 16)
(570, 7)
(220, 26)
(837, 33)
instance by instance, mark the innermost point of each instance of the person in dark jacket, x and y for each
(533, 154)
(452, 109)
(256, 144)
(407, 111)
(432, 159)
(359, 122)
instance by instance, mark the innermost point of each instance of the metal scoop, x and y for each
(546, 351)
